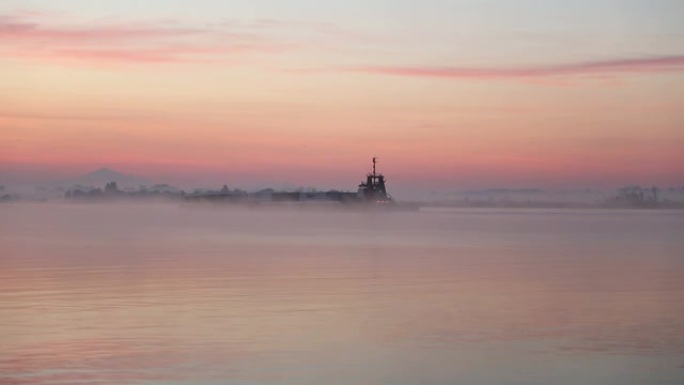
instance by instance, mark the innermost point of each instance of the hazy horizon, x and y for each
(100, 177)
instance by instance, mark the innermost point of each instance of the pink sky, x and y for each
(243, 99)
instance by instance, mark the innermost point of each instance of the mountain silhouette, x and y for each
(105, 175)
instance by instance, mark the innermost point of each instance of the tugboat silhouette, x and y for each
(371, 194)
(374, 189)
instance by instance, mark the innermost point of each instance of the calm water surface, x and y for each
(166, 294)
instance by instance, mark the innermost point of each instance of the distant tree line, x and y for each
(637, 195)
(112, 191)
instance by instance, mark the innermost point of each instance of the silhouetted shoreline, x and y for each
(554, 205)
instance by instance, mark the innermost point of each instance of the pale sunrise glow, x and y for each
(460, 94)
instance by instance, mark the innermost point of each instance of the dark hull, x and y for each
(346, 205)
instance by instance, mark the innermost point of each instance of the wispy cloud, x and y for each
(20, 28)
(626, 65)
(36, 37)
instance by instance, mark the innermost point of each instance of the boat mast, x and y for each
(374, 161)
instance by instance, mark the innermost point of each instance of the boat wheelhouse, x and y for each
(374, 190)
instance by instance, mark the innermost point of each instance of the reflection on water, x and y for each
(173, 295)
